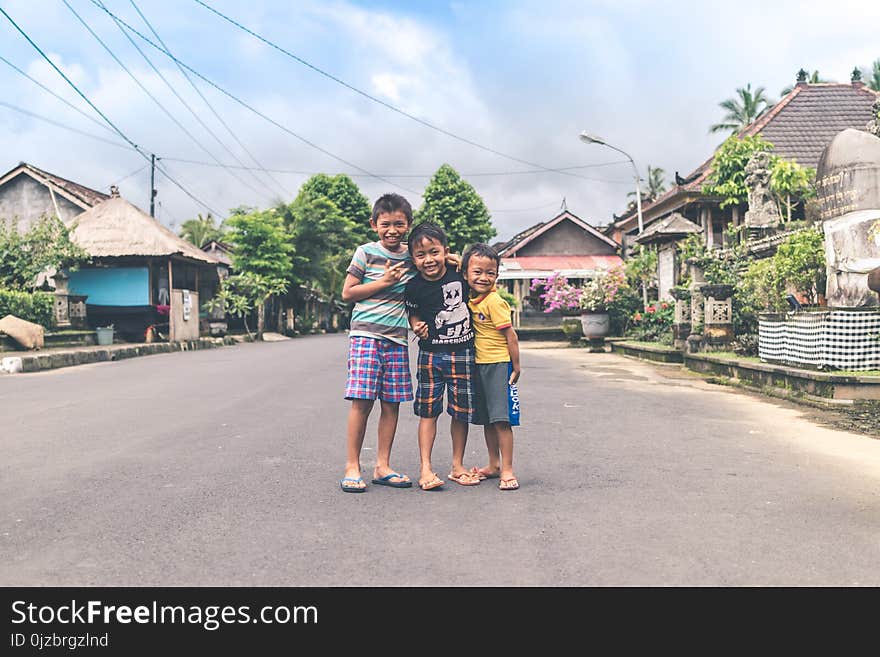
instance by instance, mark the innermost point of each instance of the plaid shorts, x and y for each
(453, 370)
(378, 368)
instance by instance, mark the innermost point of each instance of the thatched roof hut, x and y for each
(116, 228)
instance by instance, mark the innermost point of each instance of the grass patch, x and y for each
(653, 345)
(731, 355)
(856, 372)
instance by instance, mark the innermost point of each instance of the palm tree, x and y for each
(743, 110)
(656, 184)
(201, 230)
(874, 80)
(814, 78)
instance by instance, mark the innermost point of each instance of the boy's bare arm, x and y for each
(418, 327)
(513, 349)
(354, 290)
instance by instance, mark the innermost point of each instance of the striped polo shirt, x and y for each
(382, 315)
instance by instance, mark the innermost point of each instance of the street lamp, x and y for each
(592, 139)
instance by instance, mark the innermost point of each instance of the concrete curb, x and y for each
(38, 362)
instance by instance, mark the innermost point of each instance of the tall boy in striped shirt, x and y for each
(378, 361)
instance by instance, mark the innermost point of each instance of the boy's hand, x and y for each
(393, 273)
(420, 328)
(514, 376)
(454, 259)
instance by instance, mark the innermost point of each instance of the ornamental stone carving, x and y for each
(763, 211)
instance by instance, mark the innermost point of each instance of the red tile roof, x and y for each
(799, 126)
(562, 262)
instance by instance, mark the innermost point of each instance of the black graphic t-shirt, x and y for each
(442, 304)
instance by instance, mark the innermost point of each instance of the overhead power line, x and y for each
(425, 175)
(155, 100)
(48, 90)
(369, 96)
(65, 127)
(98, 111)
(311, 173)
(207, 103)
(251, 108)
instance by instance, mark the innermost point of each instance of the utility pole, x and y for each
(153, 185)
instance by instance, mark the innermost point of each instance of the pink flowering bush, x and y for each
(596, 294)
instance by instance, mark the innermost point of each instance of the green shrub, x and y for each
(34, 307)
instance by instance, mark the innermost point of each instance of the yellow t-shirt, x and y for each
(490, 313)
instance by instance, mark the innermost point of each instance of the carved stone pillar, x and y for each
(681, 322)
(62, 302)
(718, 320)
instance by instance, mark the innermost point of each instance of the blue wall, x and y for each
(124, 286)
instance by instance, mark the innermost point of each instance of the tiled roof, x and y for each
(88, 196)
(529, 234)
(808, 122)
(799, 126)
(674, 225)
(569, 265)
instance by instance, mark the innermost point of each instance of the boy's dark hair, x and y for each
(480, 249)
(426, 230)
(388, 203)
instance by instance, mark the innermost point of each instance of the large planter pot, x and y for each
(680, 293)
(717, 292)
(596, 324)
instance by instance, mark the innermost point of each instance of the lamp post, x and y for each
(592, 139)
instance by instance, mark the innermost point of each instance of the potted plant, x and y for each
(588, 301)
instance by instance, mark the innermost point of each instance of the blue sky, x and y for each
(521, 77)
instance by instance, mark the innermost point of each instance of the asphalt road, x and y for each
(221, 467)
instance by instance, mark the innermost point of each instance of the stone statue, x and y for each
(874, 124)
(763, 211)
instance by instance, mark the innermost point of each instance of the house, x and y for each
(564, 245)
(28, 193)
(799, 126)
(141, 274)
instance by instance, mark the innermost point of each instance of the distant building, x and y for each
(28, 193)
(564, 245)
(799, 126)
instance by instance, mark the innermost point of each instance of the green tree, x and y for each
(46, 245)
(348, 198)
(742, 110)
(800, 262)
(641, 268)
(728, 177)
(201, 230)
(872, 77)
(323, 240)
(656, 185)
(454, 204)
(261, 258)
(791, 183)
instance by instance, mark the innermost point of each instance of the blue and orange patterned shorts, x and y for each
(378, 369)
(453, 370)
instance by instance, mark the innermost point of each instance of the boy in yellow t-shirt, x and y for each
(497, 360)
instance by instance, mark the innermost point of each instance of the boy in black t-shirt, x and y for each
(436, 300)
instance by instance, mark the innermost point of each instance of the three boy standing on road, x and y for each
(390, 297)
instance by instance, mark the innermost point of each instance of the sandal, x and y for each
(431, 484)
(464, 478)
(483, 474)
(508, 484)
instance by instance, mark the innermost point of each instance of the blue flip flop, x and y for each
(386, 481)
(352, 489)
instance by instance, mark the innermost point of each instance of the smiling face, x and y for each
(391, 227)
(482, 272)
(429, 257)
